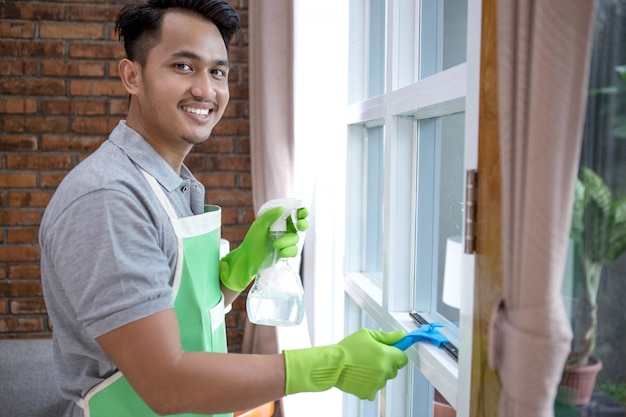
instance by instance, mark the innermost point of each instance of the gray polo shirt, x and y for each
(108, 252)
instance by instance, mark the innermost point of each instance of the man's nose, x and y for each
(203, 88)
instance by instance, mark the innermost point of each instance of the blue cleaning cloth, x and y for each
(427, 332)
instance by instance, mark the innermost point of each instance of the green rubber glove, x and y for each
(360, 364)
(241, 265)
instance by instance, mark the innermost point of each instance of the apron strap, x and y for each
(156, 187)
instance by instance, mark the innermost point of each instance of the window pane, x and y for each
(450, 210)
(439, 213)
(376, 61)
(406, 43)
(597, 239)
(372, 259)
(443, 35)
(367, 49)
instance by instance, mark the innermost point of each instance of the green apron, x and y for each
(198, 302)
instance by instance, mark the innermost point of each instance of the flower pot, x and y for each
(577, 384)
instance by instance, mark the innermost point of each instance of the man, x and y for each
(130, 261)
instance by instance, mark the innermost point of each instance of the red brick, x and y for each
(231, 127)
(25, 271)
(216, 144)
(19, 218)
(229, 163)
(66, 106)
(70, 31)
(234, 234)
(93, 13)
(71, 143)
(229, 198)
(101, 88)
(18, 105)
(50, 180)
(21, 68)
(96, 50)
(17, 180)
(18, 143)
(245, 181)
(29, 199)
(195, 162)
(4, 307)
(20, 288)
(113, 68)
(72, 68)
(30, 48)
(32, 87)
(217, 179)
(229, 216)
(118, 107)
(17, 30)
(243, 146)
(233, 110)
(33, 11)
(28, 124)
(21, 324)
(21, 236)
(86, 125)
(28, 306)
(39, 162)
(239, 92)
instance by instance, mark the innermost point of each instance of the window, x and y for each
(408, 150)
(603, 152)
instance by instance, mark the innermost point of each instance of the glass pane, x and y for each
(406, 43)
(376, 61)
(443, 35)
(451, 180)
(367, 49)
(598, 241)
(439, 214)
(372, 259)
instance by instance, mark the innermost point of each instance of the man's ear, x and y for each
(130, 74)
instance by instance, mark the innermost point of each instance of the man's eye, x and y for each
(183, 67)
(219, 72)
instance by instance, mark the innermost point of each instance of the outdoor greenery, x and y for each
(615, 390)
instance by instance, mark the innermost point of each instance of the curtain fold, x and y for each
(543, 59)
(270, 35)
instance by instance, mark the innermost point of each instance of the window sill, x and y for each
(434, 363)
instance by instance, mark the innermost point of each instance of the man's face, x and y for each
(184, 83)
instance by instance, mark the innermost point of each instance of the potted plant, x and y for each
(599, 235)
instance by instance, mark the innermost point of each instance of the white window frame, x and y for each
(446, 92)
(321, 117)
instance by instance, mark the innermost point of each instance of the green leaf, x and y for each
(596, 217)
(597, 191)
(618, 210)
(617, 242)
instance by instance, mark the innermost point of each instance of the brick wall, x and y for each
(59, 98)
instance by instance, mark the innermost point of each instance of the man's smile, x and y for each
(195, 110)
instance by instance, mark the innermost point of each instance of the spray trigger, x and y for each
(426, 332)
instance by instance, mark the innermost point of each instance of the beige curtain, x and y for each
(543, 55)
(270, 32)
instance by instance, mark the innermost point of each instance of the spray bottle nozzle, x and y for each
(290, 205)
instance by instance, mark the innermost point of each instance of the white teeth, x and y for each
(201, 112)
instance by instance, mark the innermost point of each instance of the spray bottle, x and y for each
(277, 296)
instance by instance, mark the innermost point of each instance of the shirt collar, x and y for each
(144, 155)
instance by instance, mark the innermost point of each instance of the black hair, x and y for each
(138, 24)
